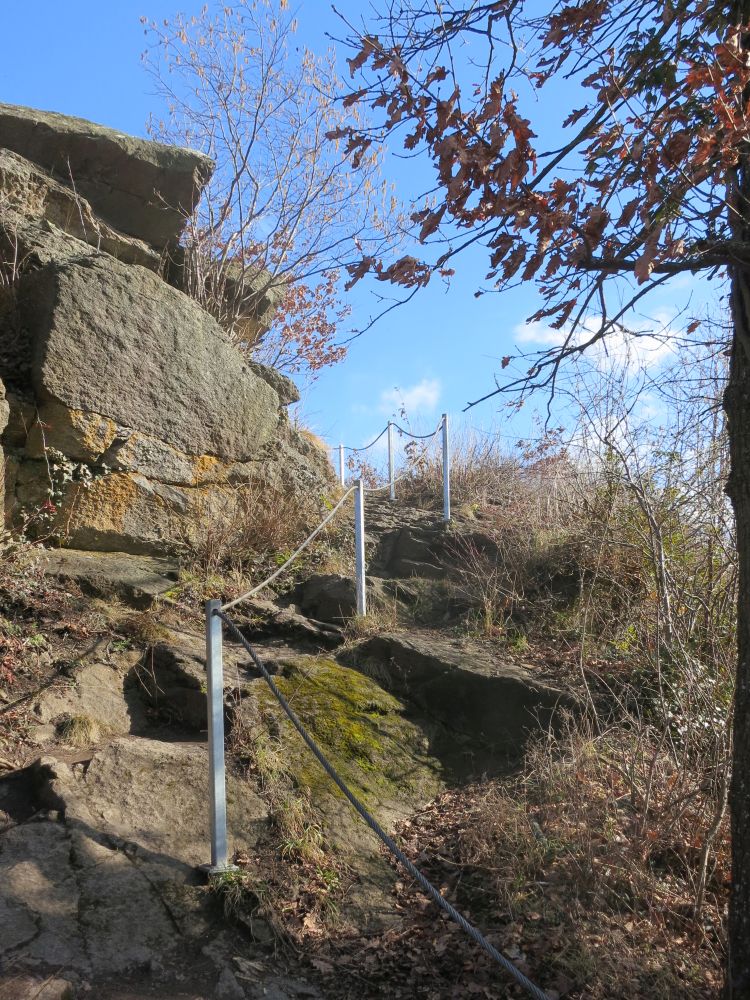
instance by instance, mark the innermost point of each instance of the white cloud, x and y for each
(415, 400)
(651, 345)
(538, 333)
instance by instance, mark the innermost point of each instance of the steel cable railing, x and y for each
(298, 551)
(392, 480)
(427, 887)
(360, 489)
(216, 614)
(418, 437)
(366, 447)
(385, 486)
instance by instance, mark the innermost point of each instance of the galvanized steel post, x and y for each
(391, 477)
(216, 775)
(359, 547)
(342, 476)
(446, 472)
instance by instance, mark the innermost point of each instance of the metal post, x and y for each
(359, 547)
(391, 477)
(342, 475)
(446, 472)
(216, 773)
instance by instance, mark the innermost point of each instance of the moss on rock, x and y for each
(381, 754)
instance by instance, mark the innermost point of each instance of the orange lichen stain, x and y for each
(81, 435)
(96, 431)
(208, 468)
(104, 504)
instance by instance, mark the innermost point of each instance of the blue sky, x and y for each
(82, 57)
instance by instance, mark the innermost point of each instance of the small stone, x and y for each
(227, 988)
(38, 989)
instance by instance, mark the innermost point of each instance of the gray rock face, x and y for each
(118, 342)
(35, 195)
(176, 680)
(286, 389)
(143, 189)
(135, 580)
(133, 422)
(466, 689)
(131, 378)
(107, 883)
(154, 795)
(99, 692)
(328, 597)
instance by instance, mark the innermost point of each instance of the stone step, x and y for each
(467, 689)
(136, 580)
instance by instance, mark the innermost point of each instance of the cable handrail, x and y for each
(292, 557)
(427, 887)
(385, 486)
(368, 446)
(401, 430)
(389, 429)
(216, 614)
(418, 437)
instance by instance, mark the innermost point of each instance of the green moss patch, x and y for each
(379, 753)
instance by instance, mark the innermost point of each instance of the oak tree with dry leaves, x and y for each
(647, 177)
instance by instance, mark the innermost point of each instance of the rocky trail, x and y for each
(120, 443)
(102, 843)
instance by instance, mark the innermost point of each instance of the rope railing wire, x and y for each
(401, 430)
(428, 888)
(385, 486)
(368, 446)
(256, 589)
(417, 437)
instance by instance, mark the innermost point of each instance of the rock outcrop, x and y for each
(130, 417)
(144, 189)
(38, 198)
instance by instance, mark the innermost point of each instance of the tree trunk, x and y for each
(737, 407)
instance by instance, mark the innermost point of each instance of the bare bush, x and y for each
(246, 531)
(284, 210)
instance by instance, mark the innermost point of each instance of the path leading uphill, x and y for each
(101, 842)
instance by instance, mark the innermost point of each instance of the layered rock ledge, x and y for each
(129, 417)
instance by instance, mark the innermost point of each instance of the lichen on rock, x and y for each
(109, 364)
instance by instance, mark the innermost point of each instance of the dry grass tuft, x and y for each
(79, 731)
(296, 881)
(247, 532)
(145, 627)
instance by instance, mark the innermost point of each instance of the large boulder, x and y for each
(28, 193)
(137, 395)
(463, 686)
(131, 420)
(157, 416)
(117, 342)
(141, 188)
